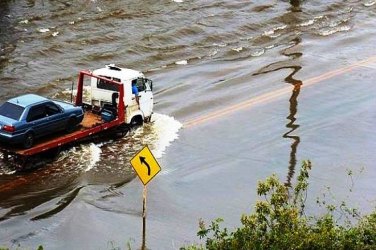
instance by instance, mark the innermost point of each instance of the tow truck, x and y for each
(110, 108)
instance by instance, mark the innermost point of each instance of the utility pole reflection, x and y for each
(293, 102)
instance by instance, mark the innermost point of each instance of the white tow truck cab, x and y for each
(102, 93)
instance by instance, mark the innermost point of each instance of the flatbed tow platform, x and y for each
(92, 124)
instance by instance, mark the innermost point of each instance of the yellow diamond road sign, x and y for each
(145, 165)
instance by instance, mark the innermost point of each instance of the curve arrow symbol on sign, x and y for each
(143, 161)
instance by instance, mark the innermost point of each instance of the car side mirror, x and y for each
(151, 85)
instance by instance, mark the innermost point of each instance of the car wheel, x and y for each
(71, 125)
(29, 141)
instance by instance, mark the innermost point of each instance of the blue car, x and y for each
(26, 118)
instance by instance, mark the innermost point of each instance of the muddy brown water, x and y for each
(243, 89)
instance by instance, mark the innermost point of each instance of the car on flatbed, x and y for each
(28, 117)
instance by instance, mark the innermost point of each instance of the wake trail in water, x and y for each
(114, 154)
(158, 135)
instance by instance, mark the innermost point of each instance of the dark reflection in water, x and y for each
(63, 203)
(295, 5)
(293, 101)
(21, 202)
(4, 30)
(293, 108)
(292, 125)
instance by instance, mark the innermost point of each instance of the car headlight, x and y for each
(1, 127)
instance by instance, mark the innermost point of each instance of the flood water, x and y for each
(243, 89)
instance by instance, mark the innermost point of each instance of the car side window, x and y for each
(52, 109)
(36, 113)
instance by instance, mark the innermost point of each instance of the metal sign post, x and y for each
(143, 247)
(146, 167)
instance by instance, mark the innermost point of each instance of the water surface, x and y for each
(242, 90)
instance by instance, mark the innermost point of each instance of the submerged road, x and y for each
(264, 98)
(267, 97)
(259, 86)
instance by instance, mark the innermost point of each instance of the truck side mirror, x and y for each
(151, 85)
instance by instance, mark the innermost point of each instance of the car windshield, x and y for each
(11, 110)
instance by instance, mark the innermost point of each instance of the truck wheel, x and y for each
(121, 132)
(70, 125)
(29, 141)
(137, 121)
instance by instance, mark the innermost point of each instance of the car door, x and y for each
(145, 96)
(56, 120)
(37, 120)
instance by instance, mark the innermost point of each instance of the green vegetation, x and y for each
(279, 222)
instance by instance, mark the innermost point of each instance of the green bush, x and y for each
(279, 222)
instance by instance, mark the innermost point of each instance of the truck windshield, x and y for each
(11, 110)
